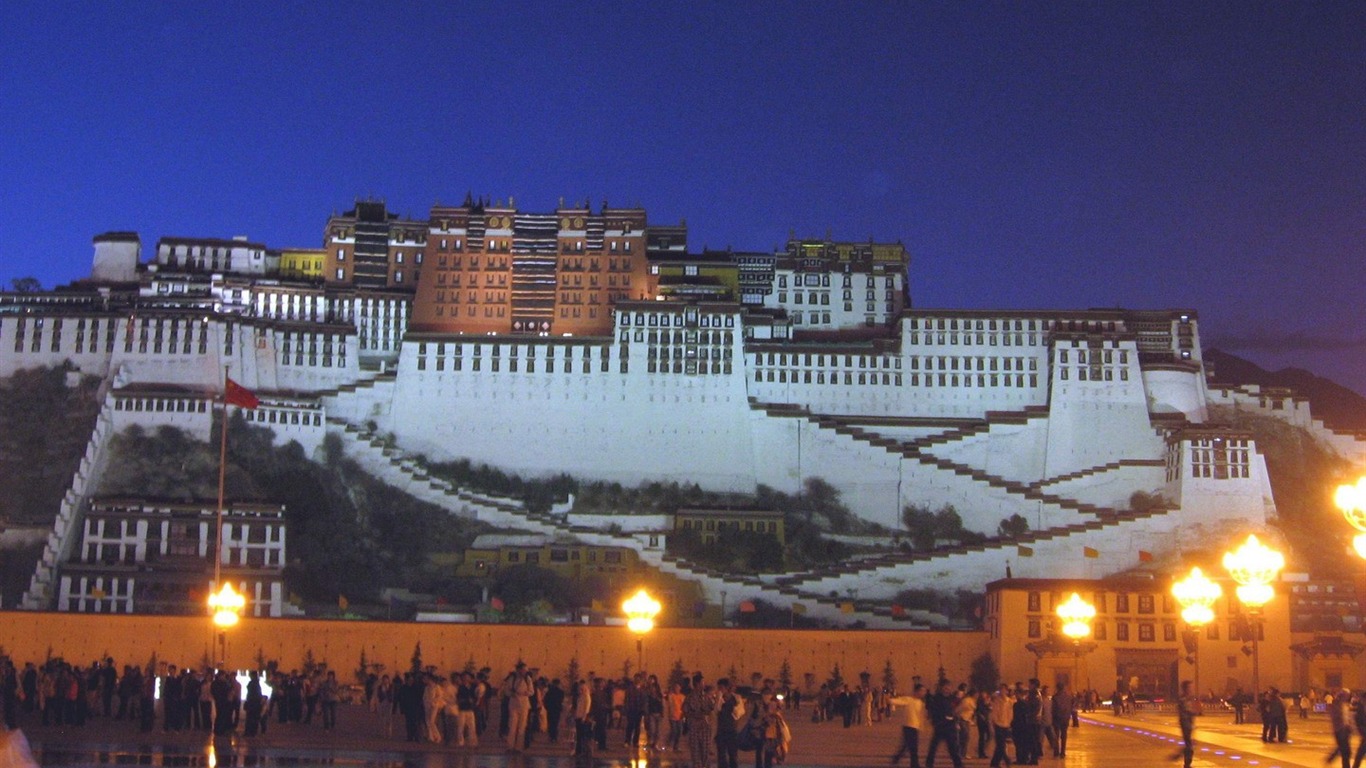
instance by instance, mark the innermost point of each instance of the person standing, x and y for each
(1064, 709)
(554, 709)
(1002, 715)
(518, 691)
(673, 708)
(698, 707)
(254, 703)
(583, 720)
(328, 693)
(1275, 706)
(982, 721)
(729, 710)
(943, 724)
(912, 725)
(1187, 709)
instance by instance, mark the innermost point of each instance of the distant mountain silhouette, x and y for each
(1338, 406)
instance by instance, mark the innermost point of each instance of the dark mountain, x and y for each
(1338, 406)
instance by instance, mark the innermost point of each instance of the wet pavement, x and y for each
(366, 739)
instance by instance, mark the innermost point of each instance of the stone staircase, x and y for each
(393, 467)
(66, 529)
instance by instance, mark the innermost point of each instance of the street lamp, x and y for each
(1196, 595)
(1254, 566)
(1351, 499)
(227, 606)
(641, 610)
(1076, 615)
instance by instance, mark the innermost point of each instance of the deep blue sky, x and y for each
(1031, 155)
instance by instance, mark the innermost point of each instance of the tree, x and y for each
(888, 676)
(836, 678)
(363, 668)
(571, 673)
(25, 285)
(984, 675)
(415, 665)
(678, 675)
(785, 675)
(1013, 527)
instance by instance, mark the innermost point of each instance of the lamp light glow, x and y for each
(1196, 595)
(227, 606)
(1076, 615)
(1351, 499)
(1254, 566)
(640, 610)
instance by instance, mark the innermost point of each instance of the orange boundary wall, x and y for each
(180, 640)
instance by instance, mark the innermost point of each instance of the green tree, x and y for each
(415, 663)
(1013, 527)
(836, 678)
(888, 676)
(678, 675)
(984, 675)
(25, 285)
(785, 674)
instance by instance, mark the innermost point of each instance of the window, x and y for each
(1121, 603)
(1145, 603)
(1122, 632)
(1169, 632)
(1034, 602)
(1145, 632)
(341, 274)
(1035, 628)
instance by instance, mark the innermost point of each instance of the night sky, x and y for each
(1030, 155)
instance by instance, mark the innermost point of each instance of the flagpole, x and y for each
(222, 476)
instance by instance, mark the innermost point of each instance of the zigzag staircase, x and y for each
(392, 466)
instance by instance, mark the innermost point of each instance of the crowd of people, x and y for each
(710, 723)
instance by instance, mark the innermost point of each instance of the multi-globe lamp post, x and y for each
(1196, 595)
(640, 610)
(1076, 615)
(1351, 499)
(1254, 566)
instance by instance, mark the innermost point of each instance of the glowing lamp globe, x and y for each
(1196, 595)
(1076, 615)
(1254, 566)
(1351, 499)
(227, 606)
(641, 610)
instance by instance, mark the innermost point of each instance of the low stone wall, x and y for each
(81, 638)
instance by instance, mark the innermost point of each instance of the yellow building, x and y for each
(1138, 641)
(715, 522)
(302, 263)
(492, 552)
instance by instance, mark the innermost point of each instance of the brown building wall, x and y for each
(186, 640)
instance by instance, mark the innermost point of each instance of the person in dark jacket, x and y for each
(940, 710)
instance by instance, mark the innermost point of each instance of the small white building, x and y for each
(156, 557)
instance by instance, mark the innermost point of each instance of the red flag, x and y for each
(748, 607)
(1144, 556)
(240, 396)
(496, 603)
(898, 610)
(1090, 552)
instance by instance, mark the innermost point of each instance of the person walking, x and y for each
(1188, 707)
(1340, 716)
(943, 724)
(914, 723)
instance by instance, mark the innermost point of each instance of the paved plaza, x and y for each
(363, 738)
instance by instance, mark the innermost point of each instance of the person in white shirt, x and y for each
(1002, 717)
(912, 726)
